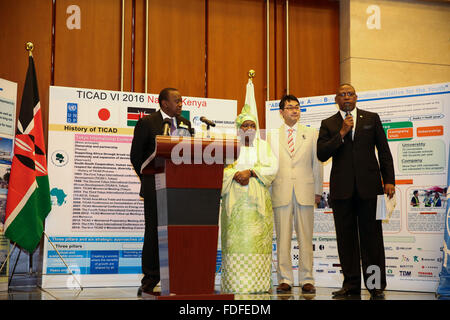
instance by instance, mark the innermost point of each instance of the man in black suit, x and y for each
(350, 138)
(143, 145)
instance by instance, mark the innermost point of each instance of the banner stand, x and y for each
(5, 263)
(18, 256)
(7, 258)
(15, 263)
(62, 259)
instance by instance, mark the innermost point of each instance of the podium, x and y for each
(188, 177)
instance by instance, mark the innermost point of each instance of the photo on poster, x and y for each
(2, 211)
(6, 149)
(5, 172)
(323, 214)
(4, 180)
(426, 209)
(428, 197)
(324, 201)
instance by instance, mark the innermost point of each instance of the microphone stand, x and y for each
(166, 131)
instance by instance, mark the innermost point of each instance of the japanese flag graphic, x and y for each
(103, 116)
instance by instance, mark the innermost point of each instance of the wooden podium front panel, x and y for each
(188, 206)
(192, 259)
(194, 176)
(188, 183)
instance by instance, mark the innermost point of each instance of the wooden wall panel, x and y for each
(139, 57)
(177, 46)
(134, 49)
(236, 44)
(89, 57)
(313, 47)
(26, 20)
(127, 43)
(278, 59)
(202, 47)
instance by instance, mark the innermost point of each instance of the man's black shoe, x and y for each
(146, 288)
(376, 294)
(344, 293)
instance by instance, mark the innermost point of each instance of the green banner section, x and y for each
(394, 132)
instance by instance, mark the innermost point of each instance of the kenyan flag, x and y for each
(28, 202)
(134, 114)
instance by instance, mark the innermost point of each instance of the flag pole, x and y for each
(7, 257)
(62, 259)
(14, 268)
(29, 46)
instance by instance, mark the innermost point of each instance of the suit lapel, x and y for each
(339, 120)
(298, 139)
(335, 122)
(159, 122)
(359, 122)
(283, 138)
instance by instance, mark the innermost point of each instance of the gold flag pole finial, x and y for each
(29, 46)
(251, 74)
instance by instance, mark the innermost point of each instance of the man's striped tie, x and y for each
(291, 141)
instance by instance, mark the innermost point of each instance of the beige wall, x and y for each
(410, 47)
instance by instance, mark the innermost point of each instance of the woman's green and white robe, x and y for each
(247, 222)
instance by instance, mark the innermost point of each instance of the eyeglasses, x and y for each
(292, 108)
(342, 94)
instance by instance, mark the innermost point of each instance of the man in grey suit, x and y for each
(295, 190)
(350, 137)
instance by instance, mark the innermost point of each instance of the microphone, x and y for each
(347, 108)
(348, 113)
(167, 122)
(207, 122)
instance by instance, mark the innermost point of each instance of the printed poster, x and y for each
(416, 122)
(97, 217)
(8, 98)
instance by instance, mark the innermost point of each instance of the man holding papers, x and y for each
(350, 137)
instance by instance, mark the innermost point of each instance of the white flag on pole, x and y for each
(251, 101)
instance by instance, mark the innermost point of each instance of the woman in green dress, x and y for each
(247, 216)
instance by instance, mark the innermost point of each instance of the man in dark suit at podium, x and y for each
(350, 138)
(143, 145)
